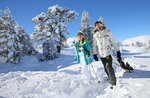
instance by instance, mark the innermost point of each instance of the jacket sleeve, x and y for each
(94, 46)
(113, 42)
(75, 58)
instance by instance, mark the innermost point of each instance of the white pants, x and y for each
(85, 71)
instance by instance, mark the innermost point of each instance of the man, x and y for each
(104, 40)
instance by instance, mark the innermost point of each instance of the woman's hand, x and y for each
(76, 61)
(88, 56)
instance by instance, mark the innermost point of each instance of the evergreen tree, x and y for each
(3, 40)
(13, 50)
(50, 50)
(51, 28)
(86, 28)
(14, 41)
(149, 44)
(25, 45)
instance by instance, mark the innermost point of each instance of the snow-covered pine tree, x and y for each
(25, 45)
(13, 50)
(138, 44)
(50, 50)
(149, 44)
(51, 28)
(86, 28)
(14, 41)
(3, 40)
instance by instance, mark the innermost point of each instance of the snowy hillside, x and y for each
(141, 41)
(60, 78)
(71, 40)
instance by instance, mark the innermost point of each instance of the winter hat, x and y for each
(80, 33)
(100, 21)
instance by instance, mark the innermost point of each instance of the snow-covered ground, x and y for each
(60, 78)
(138, 41)
(143, 39)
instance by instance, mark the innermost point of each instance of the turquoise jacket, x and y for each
(85, 45)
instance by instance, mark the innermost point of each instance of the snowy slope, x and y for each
(60, 78)
(71, 40)
(142, 39)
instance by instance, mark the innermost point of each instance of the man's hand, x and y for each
(119, 56)
(95, 57)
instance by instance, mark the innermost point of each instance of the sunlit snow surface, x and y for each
(60, 78)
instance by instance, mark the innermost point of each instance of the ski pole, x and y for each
(91, 72)
(95, 73)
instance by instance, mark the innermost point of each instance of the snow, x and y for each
(10, 54)
(142, 39)
(54, 9)
(39, 18)
(71, 40)
(60, 78)
(2, 40)
(2, 59)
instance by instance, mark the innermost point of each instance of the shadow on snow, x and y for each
(136, 74)
(30, 63)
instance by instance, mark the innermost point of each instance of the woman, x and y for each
(83, 55)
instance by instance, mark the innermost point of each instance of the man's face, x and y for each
(98, 26)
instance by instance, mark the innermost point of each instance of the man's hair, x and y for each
(103, 28)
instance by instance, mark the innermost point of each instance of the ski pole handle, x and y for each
(74, 43)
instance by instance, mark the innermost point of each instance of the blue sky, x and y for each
(125, 18)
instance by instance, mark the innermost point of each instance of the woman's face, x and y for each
(80, 38)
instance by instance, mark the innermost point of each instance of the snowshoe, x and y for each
(129, 67)
(126, 66)
(121, 64)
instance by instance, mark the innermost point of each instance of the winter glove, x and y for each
(119, 56)
(95, 57)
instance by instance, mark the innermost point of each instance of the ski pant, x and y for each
(85, 71)
(107, 62)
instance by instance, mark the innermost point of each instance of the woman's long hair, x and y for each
(82, 39)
